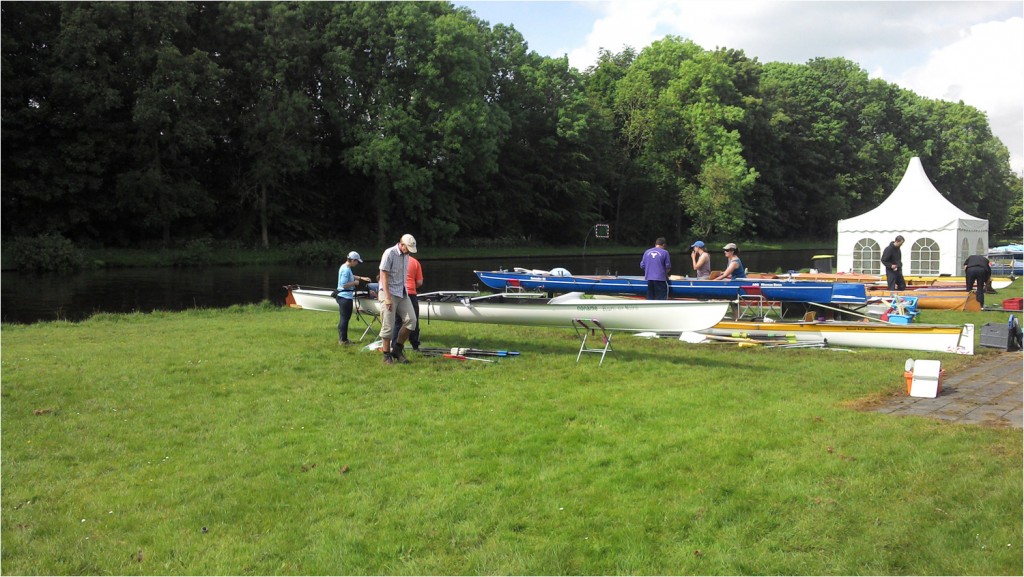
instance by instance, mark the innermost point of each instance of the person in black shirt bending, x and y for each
(977, 270)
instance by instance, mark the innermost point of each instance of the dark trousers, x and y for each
(657, 290)
(979, 275)
(414, 337)
(345, 313)
(894, 280)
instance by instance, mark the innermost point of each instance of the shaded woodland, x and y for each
(148, 123)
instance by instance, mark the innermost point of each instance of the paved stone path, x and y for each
(990, 393)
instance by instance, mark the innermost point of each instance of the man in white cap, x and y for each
(347, 282)
(395, 298)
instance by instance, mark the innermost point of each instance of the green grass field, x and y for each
(246, 441)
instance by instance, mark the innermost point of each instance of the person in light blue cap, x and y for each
(701, 260)
(347, 282)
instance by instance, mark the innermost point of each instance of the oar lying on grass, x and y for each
(448, 355)
(465, 358)
(700, 338)
(465, 351)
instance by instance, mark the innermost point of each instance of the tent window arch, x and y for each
(866, 255)
(979, 248)
(924, 257)
(965, 250)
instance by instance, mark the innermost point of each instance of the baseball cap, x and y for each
(355, 256)
(698, 244)
(730, 246)
(409, 242)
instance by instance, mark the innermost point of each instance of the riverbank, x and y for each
(205, 254)
(244, 440)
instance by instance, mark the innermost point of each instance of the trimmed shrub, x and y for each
(47, 253)
(197, 252)
(318, 252)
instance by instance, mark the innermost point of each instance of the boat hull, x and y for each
(771, 289)
(632, 316)
(876, 281)
(563, 311)
(916, 337)
(943, 300)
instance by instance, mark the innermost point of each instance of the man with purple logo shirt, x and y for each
(656, 263)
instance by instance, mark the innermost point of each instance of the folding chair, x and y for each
(751, 300)
(369, 316)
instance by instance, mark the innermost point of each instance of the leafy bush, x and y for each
(318, 252)
(46, 253)
(197, 252)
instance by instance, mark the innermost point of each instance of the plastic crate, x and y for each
(995, 335)
(1013, 304)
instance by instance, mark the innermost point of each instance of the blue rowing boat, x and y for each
(784, 290)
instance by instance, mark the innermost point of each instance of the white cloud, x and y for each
(983, 69)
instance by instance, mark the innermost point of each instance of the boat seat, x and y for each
(751, 301)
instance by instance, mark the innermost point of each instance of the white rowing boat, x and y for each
(917, 337)
(536, 310)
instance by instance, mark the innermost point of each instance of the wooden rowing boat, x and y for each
(537, 310)
(918, 337)
(935, 299)
(877, 281)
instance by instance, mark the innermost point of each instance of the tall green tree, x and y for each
(683, 114)
(272, 51)
(547, 163)
(31, 194)
(175, 116)
(409, 102)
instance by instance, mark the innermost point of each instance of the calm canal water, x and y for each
(27, 298)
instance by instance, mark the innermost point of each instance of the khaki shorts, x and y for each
(401, 305)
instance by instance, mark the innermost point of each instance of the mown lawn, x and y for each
(246, 441)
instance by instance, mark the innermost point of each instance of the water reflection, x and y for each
(28, 298)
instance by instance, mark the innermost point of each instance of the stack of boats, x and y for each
(527, 297)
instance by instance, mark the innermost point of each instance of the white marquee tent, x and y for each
(939, 236)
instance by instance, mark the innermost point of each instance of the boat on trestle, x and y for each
(679, 287)
(917, 337)
(538, 310)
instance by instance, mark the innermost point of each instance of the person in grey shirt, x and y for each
(395, 299)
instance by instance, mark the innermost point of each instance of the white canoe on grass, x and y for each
(537, 310)
(914, 336)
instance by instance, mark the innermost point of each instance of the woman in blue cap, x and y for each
(701, 260)
(347, 282)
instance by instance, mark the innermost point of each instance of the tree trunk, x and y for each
(381, 205)
(264, 235)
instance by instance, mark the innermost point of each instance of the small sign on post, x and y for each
(600, 231)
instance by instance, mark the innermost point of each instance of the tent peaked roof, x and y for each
(915, 205)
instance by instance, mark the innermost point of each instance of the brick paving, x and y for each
(990, 393)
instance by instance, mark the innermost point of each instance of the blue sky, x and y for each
(951, 50)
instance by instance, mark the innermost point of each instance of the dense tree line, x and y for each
(134, 122)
